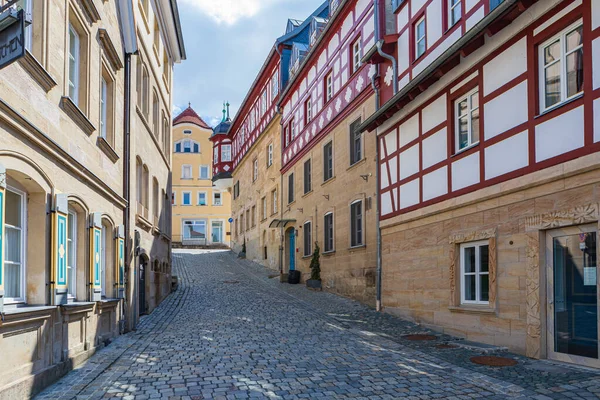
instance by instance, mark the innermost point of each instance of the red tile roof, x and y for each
(189, 116)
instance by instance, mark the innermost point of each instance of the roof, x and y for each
(189, 116)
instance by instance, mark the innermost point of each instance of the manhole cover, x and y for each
(419, 337)
(446, 346)
(231, 281)
(494, 361)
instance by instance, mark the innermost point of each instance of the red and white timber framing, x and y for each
(332, 56)
(418, 158)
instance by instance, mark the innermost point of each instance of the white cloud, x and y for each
(230, 11)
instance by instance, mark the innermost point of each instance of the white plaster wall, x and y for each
(506, 66)
(368, 28)
(322, 61)
(391, 142)
(596, 120)
(470, 4)
(409, 130)
(596, 63)
(507, 155)
(434, 114)
(475, 18)
(409, 162)
(403, 52)
(402, 18)
(506, 111)
(449, 41)
(434, 21)
(347, 25)
(435, 148)
(435, 183)
(333, 43)
(385, 179)
(415, 6)
(393, 163)
(595, 14)
(409, 193)
(361, 6)
(465, 172)
(312, 73)
(386, 203)
(559, 135)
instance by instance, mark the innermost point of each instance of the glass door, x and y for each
(572, 291)
(217, 231)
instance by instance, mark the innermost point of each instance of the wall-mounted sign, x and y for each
(230, 220)
(12, 36)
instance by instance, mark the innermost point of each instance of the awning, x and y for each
(280, 223)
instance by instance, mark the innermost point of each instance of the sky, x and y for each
(227, 42)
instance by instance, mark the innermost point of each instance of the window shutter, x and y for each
(178, 148)
(120, 264)
(95, 243)
(2, 202)
(59, 250)
(196, 148)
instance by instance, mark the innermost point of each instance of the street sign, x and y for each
(12, 36)
(230, 220)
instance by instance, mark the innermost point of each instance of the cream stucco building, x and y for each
(68, 275)
(201, 212)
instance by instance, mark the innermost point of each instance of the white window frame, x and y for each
(23, 229)
(73, 76)
(264, 207)
(183, 198)
(187, 167)
(422, 38)
(226, 153)
(275, 84)
(326, 178)
(186, 143)
(194, 222)
(307, 249)
(269, 155)
(292, 130)
(204, 176)
(214, 202)
(328, 87)
(103, 260)
(72, 263)
(469, 115)
(325, 249)
(477, 273)
(451, 8)
(205, 198)
(356, 54)
(216, 155)
(263, 102)
(255, 170)
(103, 104)
(561, 38)
(275, 200)
(308, 110)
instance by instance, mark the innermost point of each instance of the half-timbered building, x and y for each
(489, 170)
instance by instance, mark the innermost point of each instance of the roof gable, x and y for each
(189, 116)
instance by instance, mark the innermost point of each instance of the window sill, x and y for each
(19, 309)
(328, 253)
(472, 309)
(356, 164)
(459, 152)
(328, 181)
(307, 193)
(71, 109)
(37, 71)
(307, 257)
(107, 149)
(359, 247)
(559, 105)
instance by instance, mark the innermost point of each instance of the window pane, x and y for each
(12, 248)
(420, 47)
(421, 29)
(463, 107)
(463, 132)
(12, 214)
(475, 126)
(575, 38)
(475, 100)
(470, 287)
(485, 287)
(575, 72)
(552, 85)
(12, 285)
(552, 52)
(469, 259)
(484, 252)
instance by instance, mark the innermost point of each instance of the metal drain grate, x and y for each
(419, 337)
(494, 361)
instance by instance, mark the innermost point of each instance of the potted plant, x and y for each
(243, 252)
(315, 269)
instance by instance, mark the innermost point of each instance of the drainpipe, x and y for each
(127, 173)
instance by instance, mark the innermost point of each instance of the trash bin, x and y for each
(294, 277)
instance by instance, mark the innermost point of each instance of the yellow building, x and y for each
(200, 211)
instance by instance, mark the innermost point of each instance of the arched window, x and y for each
(16, 245)
(155, 112)
(146, 190)
(107, 259)
(155, 200)
(145, 92)
(138, 82)
(138, 180)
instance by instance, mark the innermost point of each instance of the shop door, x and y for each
(572, 291)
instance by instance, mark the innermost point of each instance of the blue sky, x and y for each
(227, 42)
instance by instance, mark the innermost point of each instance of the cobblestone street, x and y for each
(231, 332)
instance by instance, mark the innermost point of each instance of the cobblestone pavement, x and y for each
(231, 332)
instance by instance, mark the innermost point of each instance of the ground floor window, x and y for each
(15, 245)
(356, 224)
(307, 239)
(194, 230)
(328, 230)
(474, 272)
(72, 254)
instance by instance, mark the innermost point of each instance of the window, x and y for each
(396, 4)
(236, 190)
(187, 132)
(275, 84)
(328, 232)
(292, 129)
(187, 198)
(495, 3)
(216, 155)
(155, 113)
(328, 161)
(204, 172)
(275, 200)
(308, 111)
(104, 257)
(307, 177)
(187, 146)
(194, 230)
(474, 272)
(226, 153)
(286, 135)
(217, 199)
(420, 38)
(263, 208)
(253, 216)
(356, 55)
(186, 171)
(328, 87)
(255, 170)
(454, 11)
(177, 147)
(248, 219)
(307, 239)
(561, 67)
(201, 198)
(173, 198)
(269, 155)
(291, 188)
(467, 120)
(356, 224)
(145, 92)
(355, 143)
(263, 102)
(72, 254)
(74, 64)
(103, 106)
(14, 246)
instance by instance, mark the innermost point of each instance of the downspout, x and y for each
(127, 174)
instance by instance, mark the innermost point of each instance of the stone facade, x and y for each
(65, 287)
